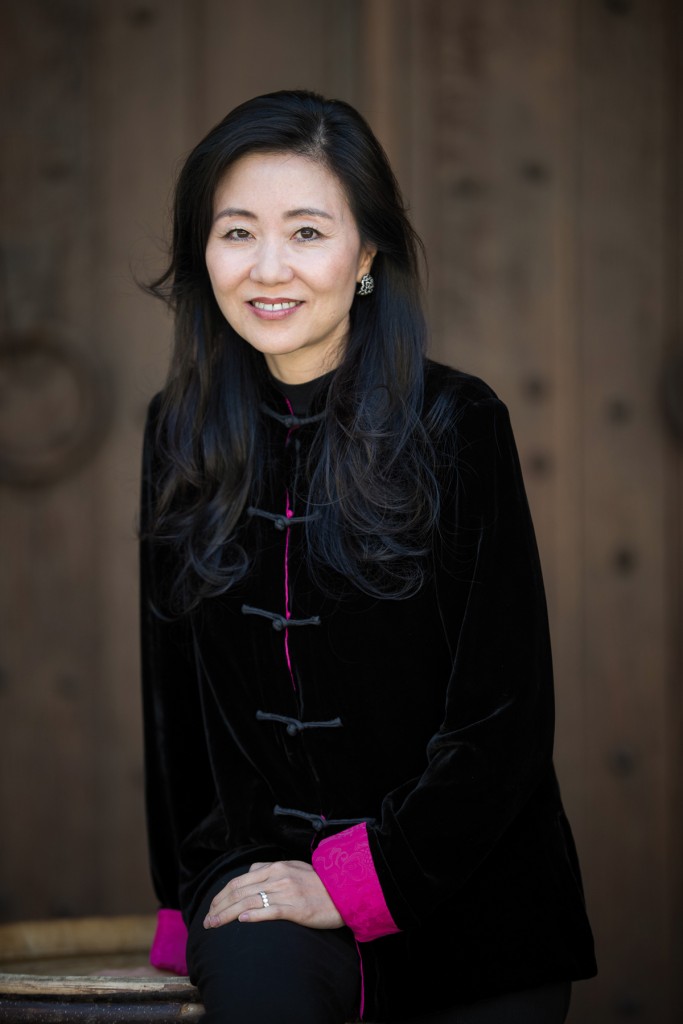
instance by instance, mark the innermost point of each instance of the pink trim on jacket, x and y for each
(170, 939)
(345, 866)
(289, 512)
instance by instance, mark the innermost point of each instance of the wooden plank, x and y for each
(249, 50)
(48, 605)
(144, 61)
(621, 248)
(387, 75)
(498, 91)
(673, 367)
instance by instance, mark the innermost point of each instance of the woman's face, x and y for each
(284, 257)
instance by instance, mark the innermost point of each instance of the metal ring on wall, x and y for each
(55, 408)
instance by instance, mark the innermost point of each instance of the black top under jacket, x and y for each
(429, 718)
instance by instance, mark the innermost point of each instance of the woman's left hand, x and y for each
(293, 890)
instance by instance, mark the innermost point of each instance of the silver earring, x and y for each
(366, 285)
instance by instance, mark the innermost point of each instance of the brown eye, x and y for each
(308, 234)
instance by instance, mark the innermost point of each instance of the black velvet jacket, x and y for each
(429, 718)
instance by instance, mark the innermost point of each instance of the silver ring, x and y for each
(264, 899)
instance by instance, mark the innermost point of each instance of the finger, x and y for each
(260, 864)
(268, 908)
(229, 898)
(239, 887)
(251, 908)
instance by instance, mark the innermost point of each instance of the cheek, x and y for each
(340, 282)
(212, 270)
(339, 304)
(222, 277)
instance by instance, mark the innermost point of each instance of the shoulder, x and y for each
(456, 389)
(460, 404)
(476, 453)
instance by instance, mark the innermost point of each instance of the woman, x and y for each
(347, 677)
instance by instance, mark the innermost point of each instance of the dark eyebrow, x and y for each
(308, 211)
(234, 211)
(304, 211)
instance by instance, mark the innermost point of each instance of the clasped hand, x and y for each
(294, 891)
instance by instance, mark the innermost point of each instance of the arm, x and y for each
(494, 744)
(178, 780)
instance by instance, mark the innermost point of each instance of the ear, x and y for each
(367, 255)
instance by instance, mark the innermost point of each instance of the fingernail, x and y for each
(243, 917)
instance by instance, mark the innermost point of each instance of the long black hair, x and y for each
(372, 482)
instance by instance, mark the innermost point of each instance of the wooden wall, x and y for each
(539, 144)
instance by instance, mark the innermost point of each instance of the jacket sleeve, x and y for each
(495, 741)
(178, 780)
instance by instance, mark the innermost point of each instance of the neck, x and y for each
(301, 367)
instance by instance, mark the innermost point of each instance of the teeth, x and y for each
(274, 307)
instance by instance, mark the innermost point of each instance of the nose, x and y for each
(271, 265)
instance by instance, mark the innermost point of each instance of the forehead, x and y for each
(287, 180)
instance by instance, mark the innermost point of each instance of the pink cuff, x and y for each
(168, 949)
(344, 865)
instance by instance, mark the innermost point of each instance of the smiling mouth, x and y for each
(273, 307)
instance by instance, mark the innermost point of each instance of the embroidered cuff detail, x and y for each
(345, 866)
(168, 949)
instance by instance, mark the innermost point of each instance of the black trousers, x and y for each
(278, 972)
